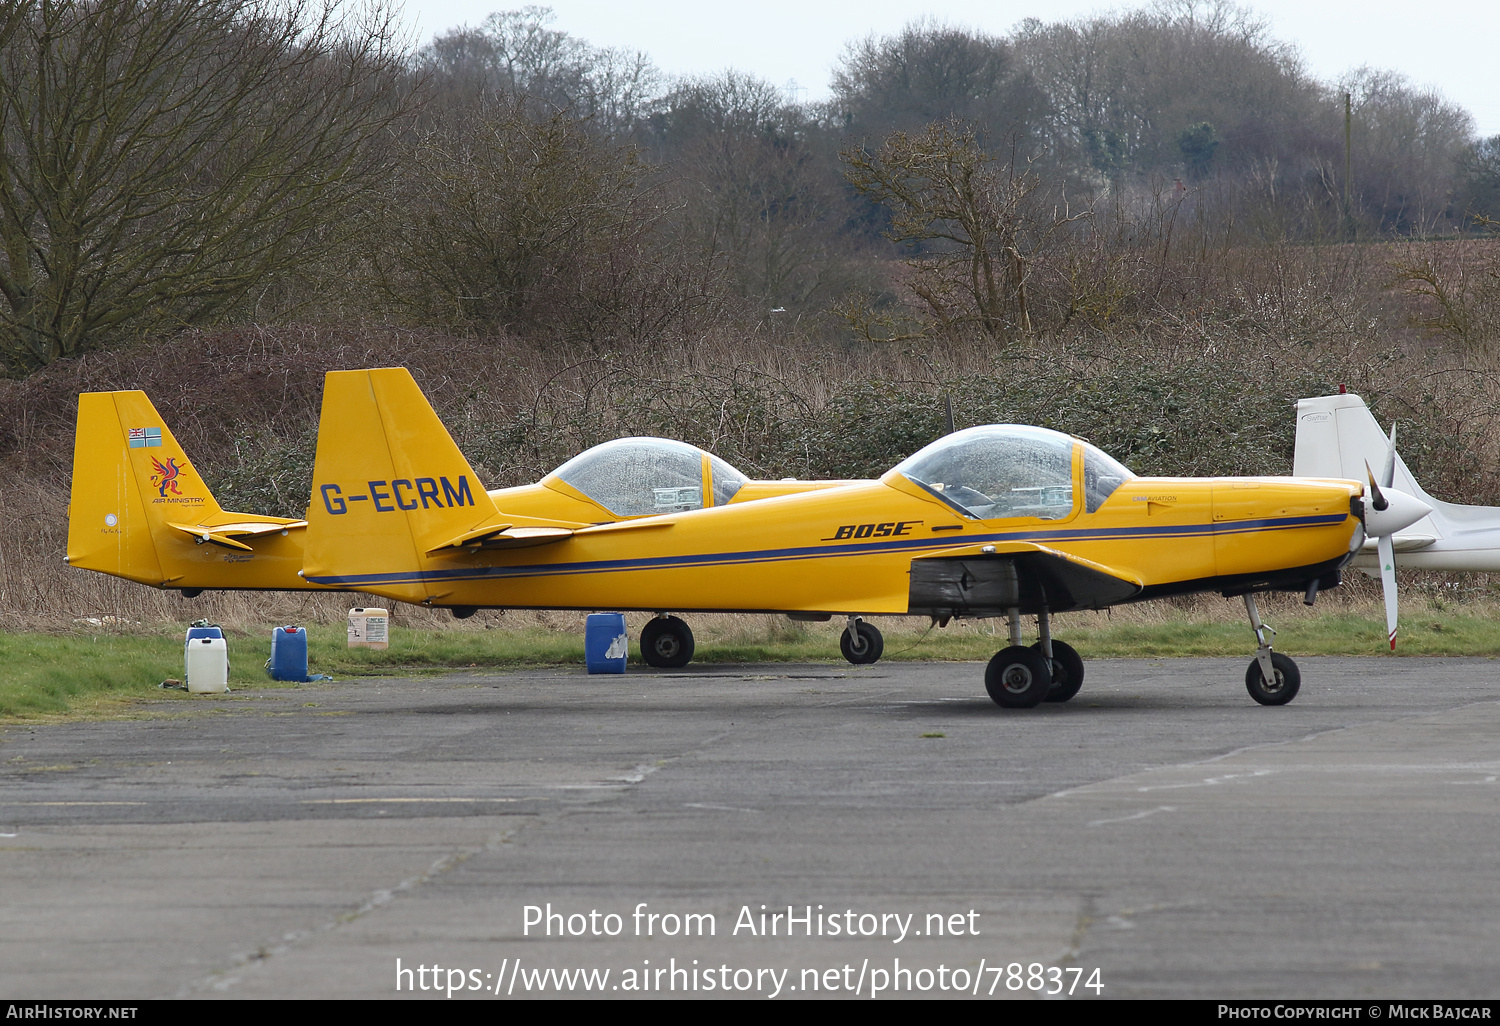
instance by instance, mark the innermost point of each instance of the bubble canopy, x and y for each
(642, 477)
(1011, 470)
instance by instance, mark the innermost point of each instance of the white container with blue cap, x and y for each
(207, 666)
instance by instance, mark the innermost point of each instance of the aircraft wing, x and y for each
(991, 579)
(525, 532)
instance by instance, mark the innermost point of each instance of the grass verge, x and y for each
(45, 675)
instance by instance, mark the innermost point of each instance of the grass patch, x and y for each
(56, 674)
(49, 674)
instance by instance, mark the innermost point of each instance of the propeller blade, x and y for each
(1388, 584)
(1377, 500)
(1388, 471)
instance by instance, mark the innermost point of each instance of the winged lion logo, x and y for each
(164, 475)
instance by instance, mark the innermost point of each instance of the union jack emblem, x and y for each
(145, 438)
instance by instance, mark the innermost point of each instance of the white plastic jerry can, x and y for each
(207, 666)
(369, 628)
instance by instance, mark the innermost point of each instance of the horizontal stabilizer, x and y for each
(1402, 542)
(645, 524)
(525, 532)
(227, 535)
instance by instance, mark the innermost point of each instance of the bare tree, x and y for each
(1406, 144)
(164, 158)
(517, 53)
(979, 223)
(928, 72)
(750, 190)
(1123, 88)
(507, 219)
(1478, 195)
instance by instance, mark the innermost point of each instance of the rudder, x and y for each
(130, 480)
(389, 484)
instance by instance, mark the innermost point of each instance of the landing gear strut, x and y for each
(1049, 671)
(1067, 664)
(861, 642)
(1272, 679)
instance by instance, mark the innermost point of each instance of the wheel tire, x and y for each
(1018, 677)
(667, 642)
(1279, 692)
(871, 649)
(1067, 671)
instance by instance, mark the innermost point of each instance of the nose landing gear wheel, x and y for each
(1067, 671)
(1018, 677)
(868, 647)
(667, 642)
(1279, 691)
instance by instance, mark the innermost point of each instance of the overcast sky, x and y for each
(1449, 44)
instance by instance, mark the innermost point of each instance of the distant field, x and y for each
(106, 672)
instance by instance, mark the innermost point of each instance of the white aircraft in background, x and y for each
(1337, 436)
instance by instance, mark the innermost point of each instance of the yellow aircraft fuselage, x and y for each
(850, 549)
(395, 513)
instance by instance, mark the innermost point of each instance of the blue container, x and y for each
(605, 643)
(288, 654)
(197, 632)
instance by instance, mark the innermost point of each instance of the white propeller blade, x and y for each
(1388, 470)
(1389, 511)
(1387, 549)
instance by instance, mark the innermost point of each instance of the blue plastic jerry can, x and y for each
(605, 643)
(288, 654)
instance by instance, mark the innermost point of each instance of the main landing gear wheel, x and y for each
(667, 642)
(867, 648)
(1018, 677)
(1067, 671)
(1278, 692)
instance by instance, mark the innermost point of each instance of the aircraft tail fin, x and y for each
(1337, 435)
(131, 483)
(137, 499)
(390, 487)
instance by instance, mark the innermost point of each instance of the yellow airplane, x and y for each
(1001, 520)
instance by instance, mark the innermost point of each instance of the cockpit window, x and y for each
(1102, 474)
(727, 480)
(635, 477)
(1003, 470)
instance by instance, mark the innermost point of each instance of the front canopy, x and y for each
(1010, 470)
